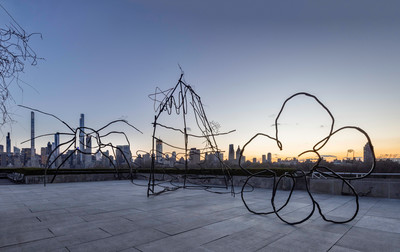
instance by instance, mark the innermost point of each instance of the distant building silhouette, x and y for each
(88, 150)
(146, 160)
(194, 156)
(17, 151)
(48, 149)
(81, 137)
(120, 159)
(368, 158)
(231, 157)
(172, 159)
(264, 159)
(269, 157)
(159, 151)
(56, 144)
(238, 153)
(4, 159)
(89, 144)
(8, 144)
(32, 137)
(56, 152)
(43, 156)
(25, 156)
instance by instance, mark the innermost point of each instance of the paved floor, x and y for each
(117, 216)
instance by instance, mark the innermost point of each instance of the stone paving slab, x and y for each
(117, 216)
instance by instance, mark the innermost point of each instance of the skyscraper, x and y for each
(17, 151)
(81, 136)
(159, 150)
(264, 159)
(172, 159)
(89, 144)
(88, 151)
(238, 153)
(367, 153)
(8, 144)
(269, 157)
(32, 137)
(56, 144)
(123, 154)
(48, 149)
(43, 156)
(231, 153)
(194, 156)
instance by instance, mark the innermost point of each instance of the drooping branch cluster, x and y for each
(300, 175)
(15, 51)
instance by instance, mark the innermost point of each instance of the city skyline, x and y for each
(231, 156)
(244, 59)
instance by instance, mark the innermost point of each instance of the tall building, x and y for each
(88, 151)
(34, 162)
(264, 159)
(368, 158)
(32, 136)
(231, 153)
(48, 149)
(159, 151)
(172, 159)
(269, 157)
(56, 144)
(194, 156)
(1, 148)
(70, 163)
(8, 144)
(4, 159)
(89, 144)
(17, 151)
(238, 153)
(139, 161)
(146, 160)
(53, 156)
(43, 156)
(25, 156)
(125, 149)
(81, 136)
(56, 152)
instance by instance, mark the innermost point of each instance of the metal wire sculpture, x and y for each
(180, 100)
(73, 144)
(14, 52)
(303, 175)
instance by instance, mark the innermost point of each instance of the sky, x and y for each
(103, 59)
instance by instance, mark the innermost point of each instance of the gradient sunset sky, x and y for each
(244, 58)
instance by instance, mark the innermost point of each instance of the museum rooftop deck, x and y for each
(117, 216)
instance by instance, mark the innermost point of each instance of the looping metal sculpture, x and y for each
(73, 144)
(303, 175)
(181, 100)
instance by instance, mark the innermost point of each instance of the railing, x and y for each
(318, 175)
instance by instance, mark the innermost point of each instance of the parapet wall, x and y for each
(371, 187)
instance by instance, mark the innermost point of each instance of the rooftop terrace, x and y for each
(117, 216)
